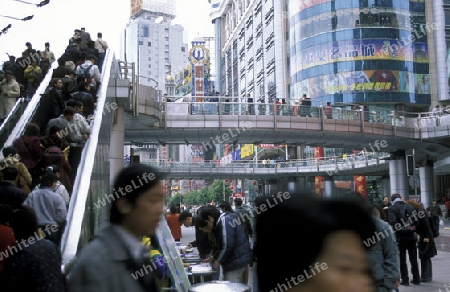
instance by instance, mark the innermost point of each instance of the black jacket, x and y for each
(201, 241)
(11, 195)
(394, 213)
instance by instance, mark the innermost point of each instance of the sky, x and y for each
(56, 21)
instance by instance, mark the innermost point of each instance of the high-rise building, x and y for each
(250, 48)
(151, 41)
(373, 51)
(379, 53)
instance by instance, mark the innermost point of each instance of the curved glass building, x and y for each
(360, 51)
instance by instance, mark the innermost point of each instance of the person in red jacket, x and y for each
(447, 208)
(174, 223)
(7, 238)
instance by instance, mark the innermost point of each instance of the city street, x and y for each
(441, 262)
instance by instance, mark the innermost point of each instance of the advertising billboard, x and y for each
(364, 49)
(367, 81)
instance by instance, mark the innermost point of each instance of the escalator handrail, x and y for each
(77, 205)
(33, 105)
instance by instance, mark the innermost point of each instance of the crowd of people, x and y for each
(38, 170)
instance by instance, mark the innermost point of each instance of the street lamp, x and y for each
(42, 3)
(15, 18)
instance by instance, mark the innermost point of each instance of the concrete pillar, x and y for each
(272, 187)
(294, 185)
(426, 184)
(116, 154)
(398, 178)
(329, 187)
(385, 187)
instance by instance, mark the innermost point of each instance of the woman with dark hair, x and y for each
(111, 259)
(54, 138)
(35, 263)
(313, 244)
(29, 148)
(54, 156)
(427, 246)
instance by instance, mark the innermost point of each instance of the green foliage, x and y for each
(210, 193)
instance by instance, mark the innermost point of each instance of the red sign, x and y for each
(238, 195)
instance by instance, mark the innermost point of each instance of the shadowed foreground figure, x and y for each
(310, 244)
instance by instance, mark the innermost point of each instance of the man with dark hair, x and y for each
(231, 249)
(435, 213)
(94, 73)
(406, 237)
(84, 95)
(10, 194)
(101, 46)
(116, 260)
(50, 208)
(201, 241)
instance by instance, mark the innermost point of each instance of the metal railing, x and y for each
(92, 181)
(330, 165)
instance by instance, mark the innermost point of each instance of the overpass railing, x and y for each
(207, 105)
(330, 165)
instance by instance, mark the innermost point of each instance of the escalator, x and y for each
(92, 179)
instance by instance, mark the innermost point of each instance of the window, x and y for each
(166, 60)
(166, 38)
(149, 65)
(141, 43)
(145, 31)
(166, 47)
(166, 30)
(183, 49)
(149, 44)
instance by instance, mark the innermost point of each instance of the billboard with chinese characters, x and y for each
(367, 81)
(364, 49)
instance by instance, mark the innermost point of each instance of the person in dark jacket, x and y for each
(427, 246)
(84, 95)
(28, 146)
(231, 248)
(435, 213)
(383, 252)
(406, 237)
(201, 241)
(10, 194)
(35, 266)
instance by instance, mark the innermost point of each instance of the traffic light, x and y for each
(410, 165)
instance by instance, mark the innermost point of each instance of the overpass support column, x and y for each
(271, 187)
(385, 187)
(426, 183)
(294, 185)
(397, 176)
(329, 187)
(116, 154)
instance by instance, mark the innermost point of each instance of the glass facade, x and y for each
(359, 51)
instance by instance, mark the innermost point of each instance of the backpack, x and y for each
(84, 73)
(407, 221)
